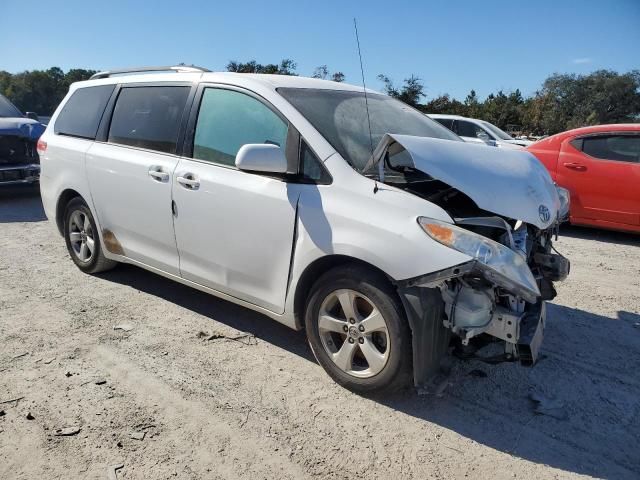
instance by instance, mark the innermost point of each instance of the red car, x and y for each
(600, 166)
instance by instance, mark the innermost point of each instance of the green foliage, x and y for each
(564, 102)
(40, 91)
(322, 72)
(286, 67)
(410, 93)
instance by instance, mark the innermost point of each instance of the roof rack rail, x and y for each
(172, 68)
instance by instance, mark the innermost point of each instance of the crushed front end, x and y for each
(505, 211)
(501, 293)
(19, 161)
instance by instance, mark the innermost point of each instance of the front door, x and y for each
(603, 174)
(131, 175)
(234, 229)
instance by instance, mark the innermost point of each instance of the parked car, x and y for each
(19, 162)
(600, 166)
(478, 131)
(264, 190)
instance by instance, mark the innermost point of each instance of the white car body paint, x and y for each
(507, 182)
(510, 143)
(248, 238)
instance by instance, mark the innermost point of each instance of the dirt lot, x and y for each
(260, 407)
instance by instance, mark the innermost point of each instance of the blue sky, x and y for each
(452, 46)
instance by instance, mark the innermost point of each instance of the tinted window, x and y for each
(311, 167)
(81, 115)
(148, 117)
(468, 129)
(341, 117)
(624, 148)
(447, 122)
(227, 120)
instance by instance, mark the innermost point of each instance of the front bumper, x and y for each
(19, 174)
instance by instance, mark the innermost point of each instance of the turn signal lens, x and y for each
(41, 147)
(440, 233)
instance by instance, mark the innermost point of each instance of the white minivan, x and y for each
(353, 216)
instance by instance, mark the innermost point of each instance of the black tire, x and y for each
(397, 371)
(97, 262)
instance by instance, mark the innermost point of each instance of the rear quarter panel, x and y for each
(547, 151)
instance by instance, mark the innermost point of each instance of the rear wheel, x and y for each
(82, 239)
(357, 330)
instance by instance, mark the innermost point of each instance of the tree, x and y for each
(410, 93)
(40, 91)
(322, 72)
(286, 67)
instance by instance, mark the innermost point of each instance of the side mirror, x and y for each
(261, 157)
(32, 116)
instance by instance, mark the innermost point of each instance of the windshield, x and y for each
(341, 117)
(496, 131)
(7, 109)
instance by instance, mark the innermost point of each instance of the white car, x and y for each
(479, 131)
(269, 192)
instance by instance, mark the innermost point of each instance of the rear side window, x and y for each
(148, 117)
(447, 122)
(623, 148)
(81, 115)
(227, 120)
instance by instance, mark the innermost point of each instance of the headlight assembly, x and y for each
(497, 262)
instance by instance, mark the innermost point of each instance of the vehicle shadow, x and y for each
(222, 311)
(607, 236)
(587, 375)
(594, 431)
(21, 204)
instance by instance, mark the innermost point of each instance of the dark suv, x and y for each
(19, 163)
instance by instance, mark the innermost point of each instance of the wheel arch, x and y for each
(63, 199)
(317, 268)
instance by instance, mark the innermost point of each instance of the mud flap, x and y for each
(430, 339)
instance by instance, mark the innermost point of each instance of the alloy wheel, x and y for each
(354, 333)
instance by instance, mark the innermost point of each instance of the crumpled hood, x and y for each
(511, 183)
(21, 127)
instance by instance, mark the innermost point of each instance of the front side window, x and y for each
(311, 168)
(82, 113)
(623, 148)
(148, 117)
(228, 119)
(501, 134)
(341, 117)
(468, 129)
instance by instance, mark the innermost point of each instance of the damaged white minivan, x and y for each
(357, 218)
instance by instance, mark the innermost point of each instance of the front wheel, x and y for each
(357, 330)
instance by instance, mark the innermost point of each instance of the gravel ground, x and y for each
(252, 403)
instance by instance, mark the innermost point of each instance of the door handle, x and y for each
(188, 181)
(157, 174)
(576, 166)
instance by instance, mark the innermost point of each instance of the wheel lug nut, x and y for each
(351, 340)
(361, 328)
(352, 320)
(345, 328)
(361, 340)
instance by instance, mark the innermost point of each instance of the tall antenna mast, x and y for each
(364, 87)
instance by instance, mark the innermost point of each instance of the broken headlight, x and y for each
(498, 263)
